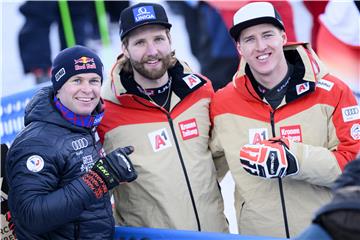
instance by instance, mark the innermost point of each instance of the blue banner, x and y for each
(12, 114)
(140, 233)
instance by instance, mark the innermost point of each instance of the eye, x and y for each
(268, 35)
(249, 40)
(159, 39)
(95, 81)
(76, 80)
(139, 43)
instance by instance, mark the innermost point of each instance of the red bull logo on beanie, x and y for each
(84, 63)
(143, 13)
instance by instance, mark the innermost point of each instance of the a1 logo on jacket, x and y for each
(159, 140)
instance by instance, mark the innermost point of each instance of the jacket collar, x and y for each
(308, 70)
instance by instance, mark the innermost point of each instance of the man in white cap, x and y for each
(285, 126)
(158, 105)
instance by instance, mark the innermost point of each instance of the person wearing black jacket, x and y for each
(59, 176)
(339, 219)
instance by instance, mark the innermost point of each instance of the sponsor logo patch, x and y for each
(143, 13)
(79, 144)
(59, 74)
(355, 131)
(351, 113)
(291, 132)
(256, 135)
(188, 129)
(159, 140)
(84, 63)
(325, 84)
(87, 164)
(192, 80)
(301, 88)
(35, 163)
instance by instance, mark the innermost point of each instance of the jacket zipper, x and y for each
(282, 197)
(184, 170)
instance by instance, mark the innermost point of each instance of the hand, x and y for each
(116, 167)
(269, 159)
(110, 171)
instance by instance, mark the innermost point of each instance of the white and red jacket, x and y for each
(176, 185)
(318, 113)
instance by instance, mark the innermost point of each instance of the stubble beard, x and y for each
(152, 74)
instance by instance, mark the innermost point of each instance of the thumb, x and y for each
(128, 150)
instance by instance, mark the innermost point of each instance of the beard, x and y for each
(152, 74)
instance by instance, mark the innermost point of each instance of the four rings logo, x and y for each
(79, 144)
(351, 113)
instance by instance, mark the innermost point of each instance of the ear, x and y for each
(238, 48)
(284, 37)
(124, 50)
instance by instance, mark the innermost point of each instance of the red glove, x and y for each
(269, 159)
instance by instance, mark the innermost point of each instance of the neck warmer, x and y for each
(87, 121)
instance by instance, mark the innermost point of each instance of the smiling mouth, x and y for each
(83, 99)
(263, 57)
(152, 62)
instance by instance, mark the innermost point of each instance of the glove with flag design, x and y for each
(269, 159)
(110, 171)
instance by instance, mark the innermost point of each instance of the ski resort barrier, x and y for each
(140, 233)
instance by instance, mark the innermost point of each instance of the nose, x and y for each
(260, 45)
(86, 87)
(151, 49)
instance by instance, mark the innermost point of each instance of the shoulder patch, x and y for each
(35, 163)
(325, 84)
(192, 80)
(351, 113)
(355, 131)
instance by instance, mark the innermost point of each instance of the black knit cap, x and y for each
(142, 14)
(72, 61)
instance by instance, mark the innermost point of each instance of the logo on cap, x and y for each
(84, 63)
(60, 74)
(143, 13)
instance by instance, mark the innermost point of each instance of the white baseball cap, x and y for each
(252, 14)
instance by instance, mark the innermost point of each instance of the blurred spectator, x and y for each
(228, 9)
(315, 8)
(6, 223)
(338, 41)
(340, 218)
(210, 41)
(34, 42)
(207, 23)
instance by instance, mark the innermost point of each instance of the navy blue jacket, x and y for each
(48, 198)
